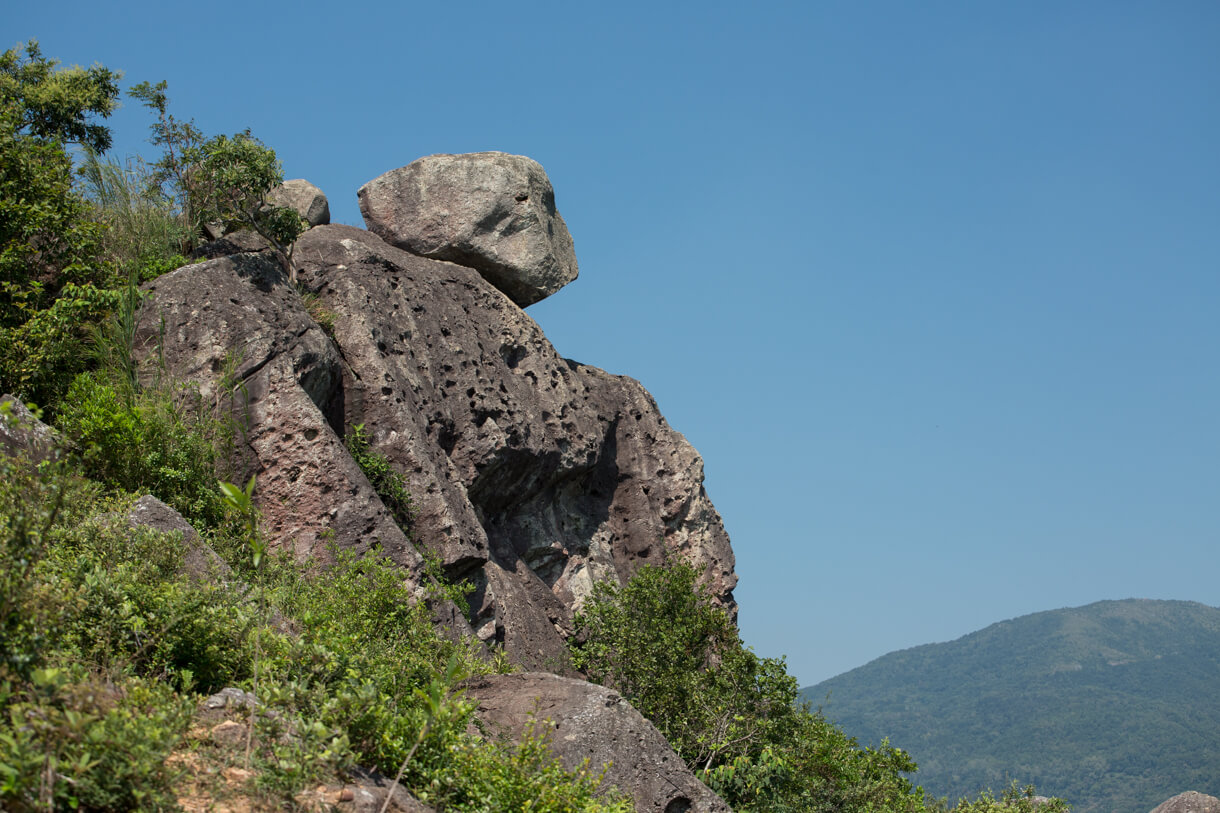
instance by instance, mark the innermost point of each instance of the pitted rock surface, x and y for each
(490, 211)
(238, 316)
(586, 721)
(560, 474)
(534, 476)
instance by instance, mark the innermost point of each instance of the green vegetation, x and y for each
(220, 179)
(110, 644)
(730, 715)
(51, 283)
(1110, 706)
(109, 648)
(390, 486)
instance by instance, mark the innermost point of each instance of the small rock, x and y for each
(230, 698)
(228, 733)
(238, 242)
(200, 563)
(590, 722)
(305, 198)
(21, 434)
(236, 776)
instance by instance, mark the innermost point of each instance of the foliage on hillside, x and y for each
(1111, 706)
(109, 645)
(732, 716)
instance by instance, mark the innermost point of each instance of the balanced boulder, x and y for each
(489, 211)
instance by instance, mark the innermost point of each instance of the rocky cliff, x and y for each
(533, 475)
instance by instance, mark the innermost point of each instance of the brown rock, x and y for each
(228, 733)
(366, 792)
(1189, 802)
(589, 722)
(238, 242)
(237, 317)
(534, 476)
(200, 562)
(555, 473)
(491, 211)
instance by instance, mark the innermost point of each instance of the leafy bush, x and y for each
(1013, 800)
(72, 741)
(220, 179)
(729, 714)
(159, 441)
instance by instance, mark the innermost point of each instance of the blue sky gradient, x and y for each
(933, 287)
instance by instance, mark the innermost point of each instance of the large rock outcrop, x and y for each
(587, 722)
(1190, 802)
(534, 476)
(490, 211)
(559, 474)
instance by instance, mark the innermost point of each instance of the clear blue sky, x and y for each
(933, 287)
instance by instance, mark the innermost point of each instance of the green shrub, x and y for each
(1014, 799)
(729, 714)
(160, 441)
(137, 612)
(70, 741)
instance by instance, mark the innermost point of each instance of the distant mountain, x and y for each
(1114, 706)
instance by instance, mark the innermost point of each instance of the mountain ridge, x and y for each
(1110, 705)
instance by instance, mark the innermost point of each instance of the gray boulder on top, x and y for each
(489, 211)
(305, 198)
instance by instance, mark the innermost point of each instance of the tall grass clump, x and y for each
(143, 231)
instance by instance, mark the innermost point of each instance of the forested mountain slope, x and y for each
(1113, 706)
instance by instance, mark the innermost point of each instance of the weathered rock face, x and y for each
(237, 316)
(594, 723)
(534, 475)
(1190, 802)
(305, 198)
(490, 211)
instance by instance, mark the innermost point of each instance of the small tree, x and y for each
(52, 283)
(57, 104)
(237, 173)
(220, 179)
